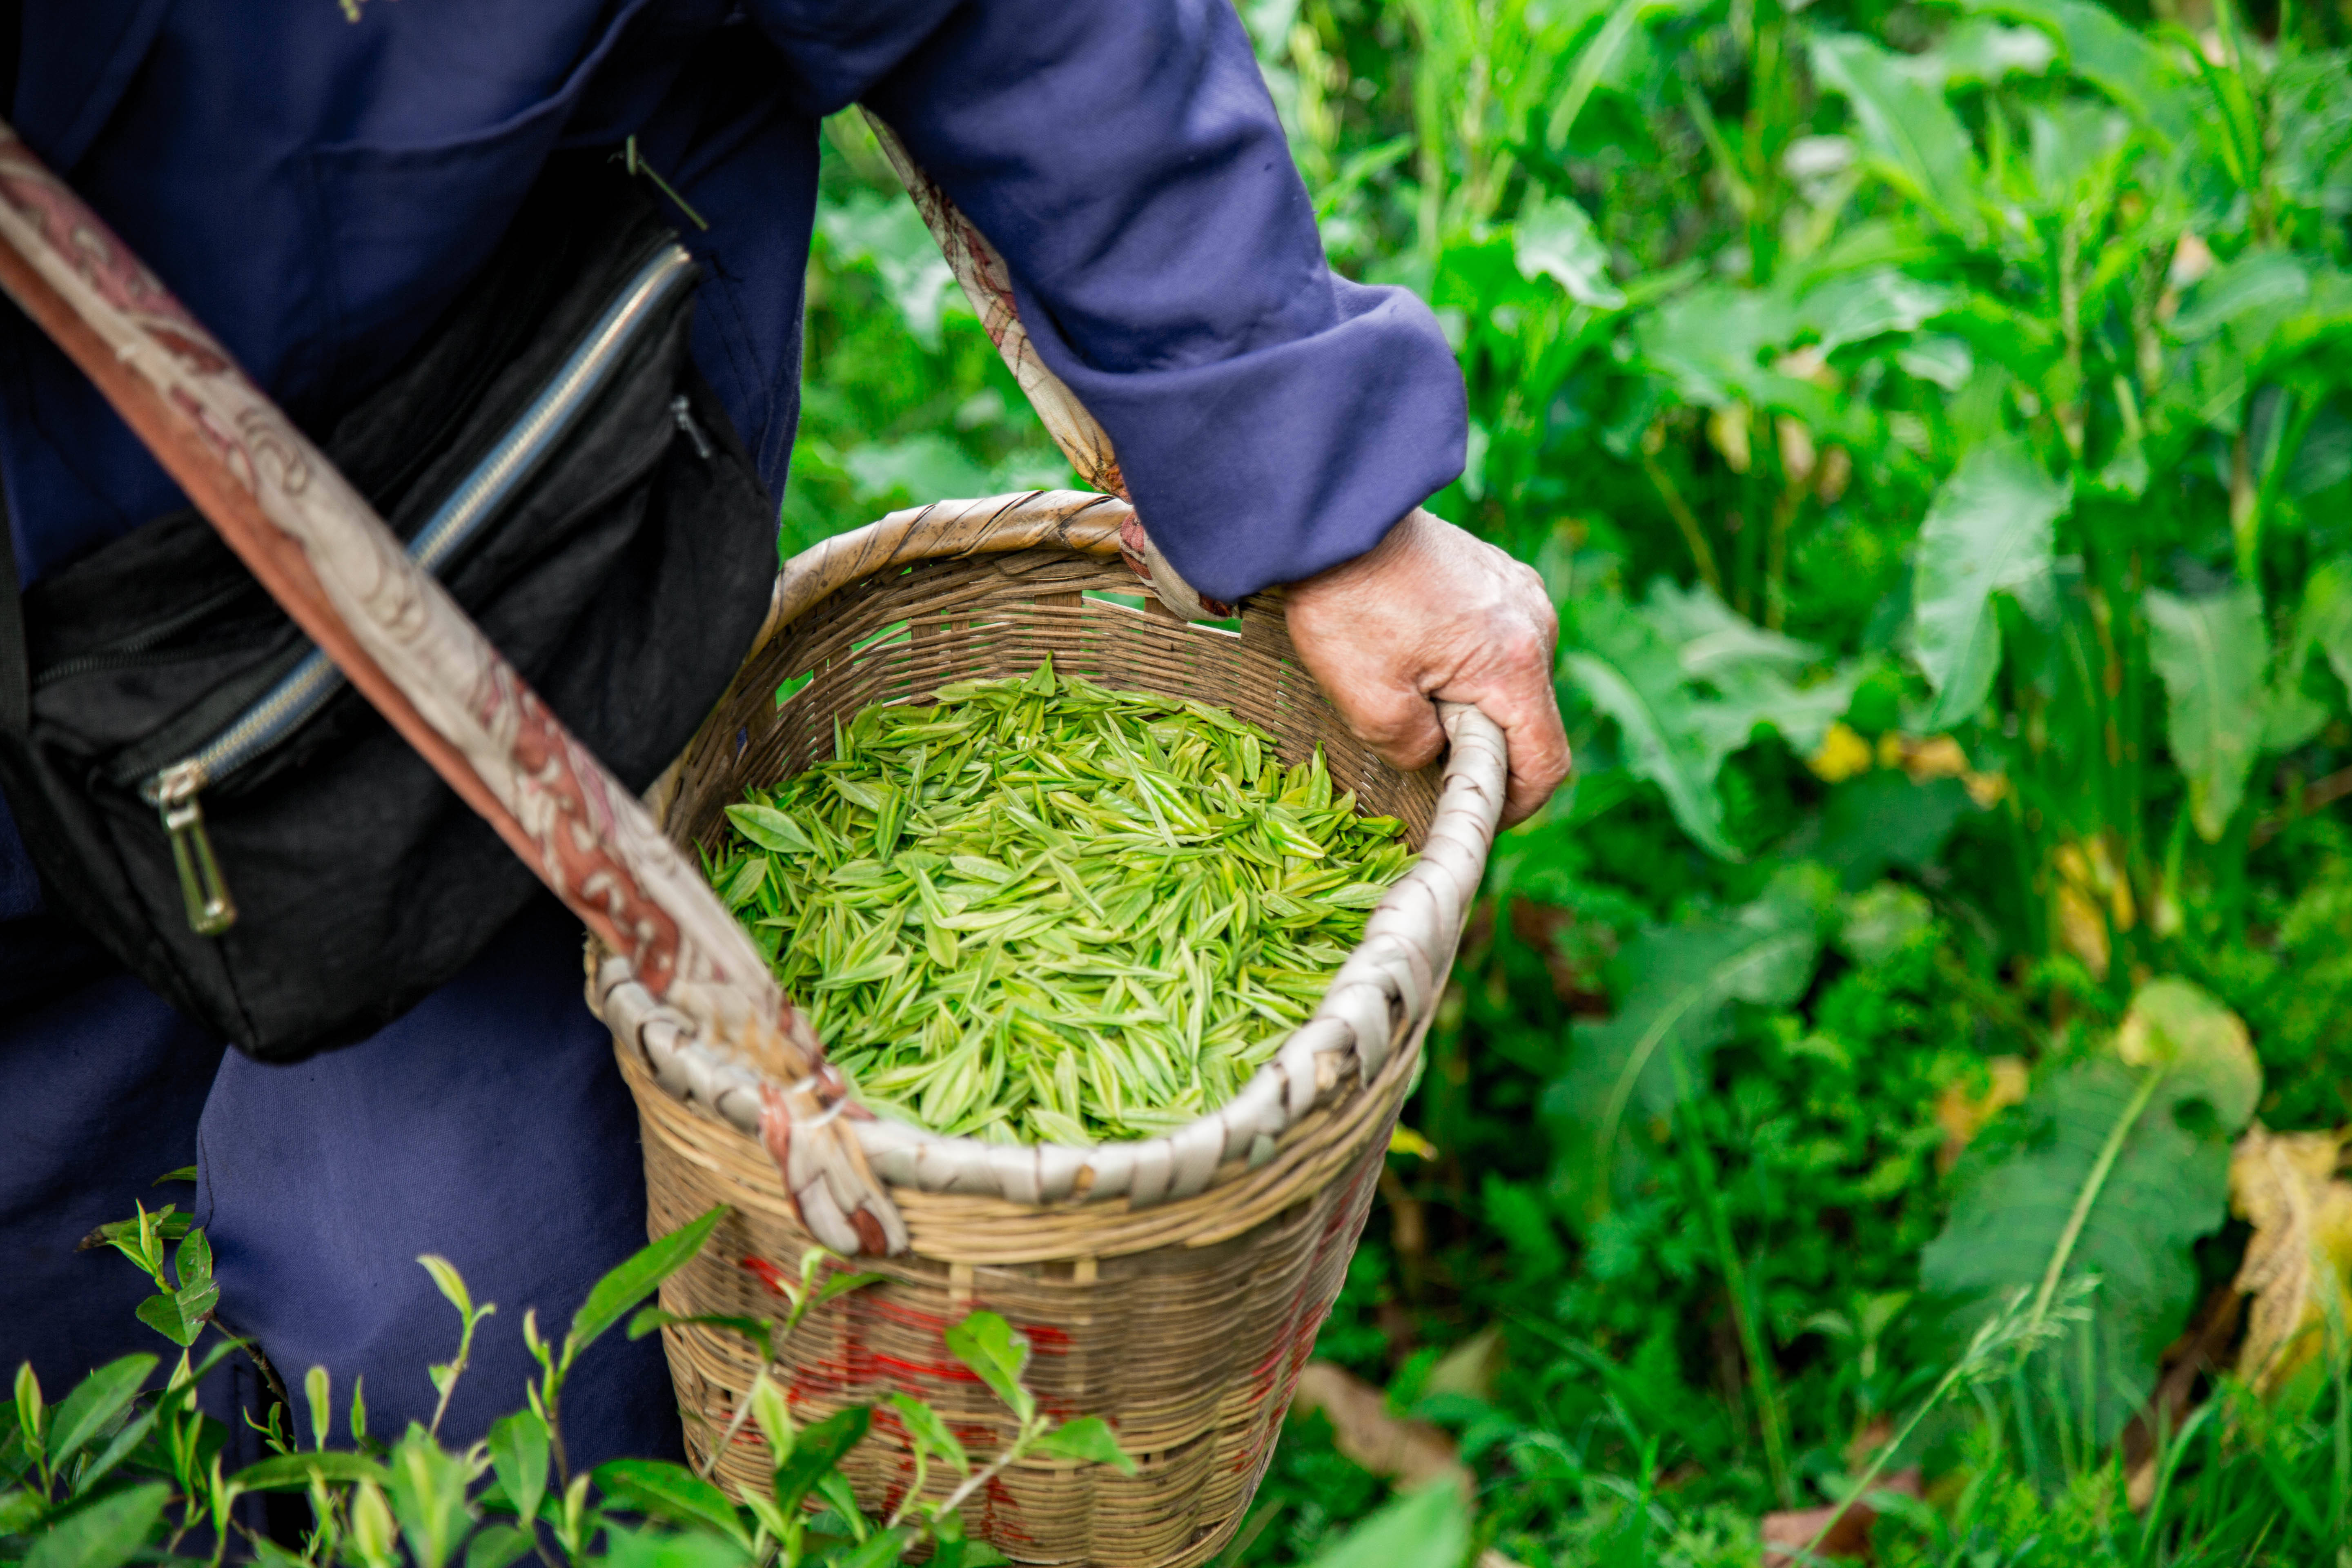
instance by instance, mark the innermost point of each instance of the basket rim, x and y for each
(1377, 1001)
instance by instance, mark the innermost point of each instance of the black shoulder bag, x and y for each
(201, 790)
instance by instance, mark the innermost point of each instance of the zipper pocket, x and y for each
(275, 716)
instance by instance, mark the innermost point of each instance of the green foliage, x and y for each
(420, 1502)
(1652, 1055)
(1988, 532)
(2111, 1170)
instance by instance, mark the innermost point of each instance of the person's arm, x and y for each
(1274, 422)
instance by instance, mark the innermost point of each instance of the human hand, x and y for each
(1429, 613)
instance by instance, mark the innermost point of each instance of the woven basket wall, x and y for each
(1183, 1323)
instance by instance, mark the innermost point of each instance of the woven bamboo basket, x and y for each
(1172, 1286)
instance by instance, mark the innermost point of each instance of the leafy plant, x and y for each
(122, 1470)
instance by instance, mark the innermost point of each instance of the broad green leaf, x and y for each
(519, 1451)
(167, 1314)
(194, 1261)
(774, 1415)
(673, 1492)
(1710, 639)
(816, 1450)
(2325, 621)
(924, 1425)
(1978, 50)
(104, 1534)
(986, 1343)
(2249, 295)
(2107, 53)
(1989, 531)
(1088, 1439)
(1554, 238)
(2114, 1166)
(1631, 675)
(2213, 655)
(639, 1278)
(1679, 983)
(293, 1472)
(95, 1401)
(1882, 820)
(1708, 344)
(1919, 142)
(20, 1509)
(1426, 1529)
(1855, 307)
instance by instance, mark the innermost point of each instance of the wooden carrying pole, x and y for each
(685, 966)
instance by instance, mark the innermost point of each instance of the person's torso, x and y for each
(318, 187)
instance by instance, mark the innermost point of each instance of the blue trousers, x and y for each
(489, 1125)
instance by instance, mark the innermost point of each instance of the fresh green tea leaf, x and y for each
(633, 1280)
(97, 1400)
(671, 1491)
(105, 1533)
(1088, 1439)
(518, 1454)
(924, 1426)
(816, 1450)
(988, 1344)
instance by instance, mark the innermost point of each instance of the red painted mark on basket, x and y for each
(767, 1274)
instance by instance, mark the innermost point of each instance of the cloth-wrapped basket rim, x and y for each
(1386, 986)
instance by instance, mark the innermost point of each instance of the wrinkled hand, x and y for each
(1432, 613)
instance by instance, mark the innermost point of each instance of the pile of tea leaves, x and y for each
(1045, 912)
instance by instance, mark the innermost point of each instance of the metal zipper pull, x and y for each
(683, 412)
(210, 909)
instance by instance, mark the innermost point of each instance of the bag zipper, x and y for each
(304, 689)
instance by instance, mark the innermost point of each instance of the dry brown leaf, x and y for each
(1406, 1452)
(1962, 1113)
(1787, 1531)
(2298, 1260)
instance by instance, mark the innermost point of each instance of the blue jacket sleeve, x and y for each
(1272, 418)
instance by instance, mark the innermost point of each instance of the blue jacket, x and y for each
(316, 189)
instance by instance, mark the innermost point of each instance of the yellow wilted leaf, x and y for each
(1844, 754)
(1727, 431)
(2300, 1256)
(1962, 1113)
(2082, 929)
(1798, 455)
(1405, 1140)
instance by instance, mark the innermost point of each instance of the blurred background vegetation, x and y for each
(1935, 422)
